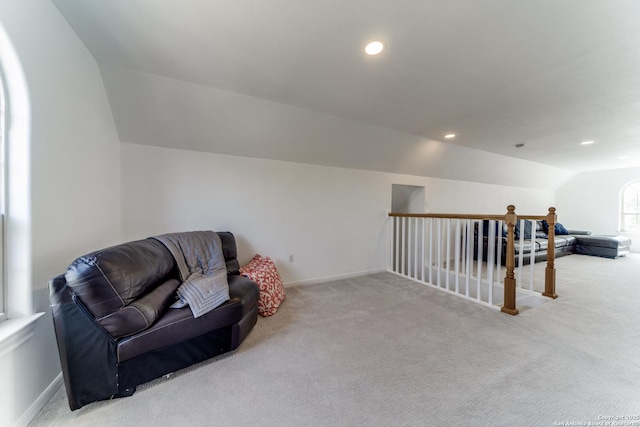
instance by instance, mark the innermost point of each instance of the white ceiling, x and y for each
(545, 73)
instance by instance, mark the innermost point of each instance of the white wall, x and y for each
(591, 201)
(331, 219)
(74, 183)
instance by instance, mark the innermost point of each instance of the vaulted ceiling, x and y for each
(289, 79)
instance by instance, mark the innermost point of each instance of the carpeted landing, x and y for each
(382, 350)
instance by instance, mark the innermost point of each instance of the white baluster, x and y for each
(415, 252)
(457, 255)
(480, 258)
(532, 255)
(409, 247)
(422, 258)
(431, 251)
(491, 248)
(469, 256)
(520, 254)
(403, 246)
(447, 225)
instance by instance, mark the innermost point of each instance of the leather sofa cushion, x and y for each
(564, 240)
(112, 278)
(245, 291)
(543, 244)
(141, 313)
(605, 241)
(229, 251)
(178, 324)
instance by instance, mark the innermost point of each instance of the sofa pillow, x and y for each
(255, 261)
(528, 226)
(272, 293)
(142, 312)
(559, 229)
(112, 278)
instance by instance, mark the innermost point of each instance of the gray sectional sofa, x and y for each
(535, 238)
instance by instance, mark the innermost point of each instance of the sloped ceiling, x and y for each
(288, 79)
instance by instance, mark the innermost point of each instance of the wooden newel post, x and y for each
(550, 271)
(510, 279)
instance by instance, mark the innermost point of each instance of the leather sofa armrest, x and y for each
(579, 232)
(87, 352)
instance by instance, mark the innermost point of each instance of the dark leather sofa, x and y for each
(108, 346)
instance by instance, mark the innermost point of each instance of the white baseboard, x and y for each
(39, 403)
(334, 277)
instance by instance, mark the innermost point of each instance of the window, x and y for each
(16, 291)
(3, 297)
(630, 207)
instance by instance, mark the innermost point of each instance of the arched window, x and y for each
(2, 219)
(15, 200)
(630, 207)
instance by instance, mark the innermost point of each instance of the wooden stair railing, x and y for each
(509, 305)
(511, 219)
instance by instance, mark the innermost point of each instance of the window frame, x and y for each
(3, 138)
(625, 214)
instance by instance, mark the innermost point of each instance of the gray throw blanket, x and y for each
(202, 269)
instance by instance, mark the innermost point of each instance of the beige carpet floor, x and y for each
(383, 350)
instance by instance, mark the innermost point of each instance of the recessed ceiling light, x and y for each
(587, 142)
(373, 48)
(450, 135)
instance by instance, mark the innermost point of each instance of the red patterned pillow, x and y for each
(271, 288)
(255, 261)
